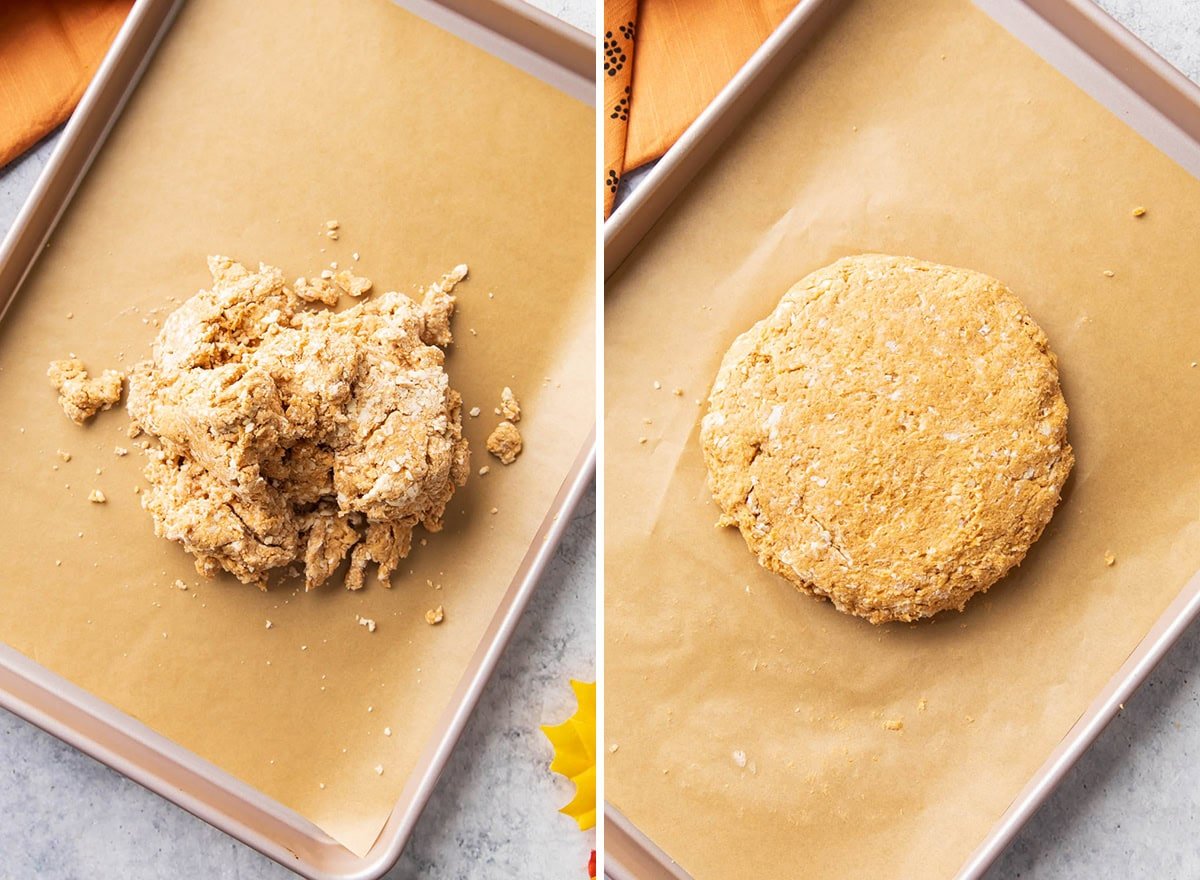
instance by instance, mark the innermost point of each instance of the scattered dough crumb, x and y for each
(657, 385)
(505, 442)
(893, 724)
(367, 622)
(1109, 273)
(269, 624)
(1139, 211)
(180, 584)
(739, 757)
(96, 497)
(509, 407)
(483, 471)
(474, 412)
(379, 769)
(81, 397)
(65, 456)
(1109, 559)
(613, 748)
(921, 704)
(120, 451)
(495, 510)
(678, 392)
(434, 616)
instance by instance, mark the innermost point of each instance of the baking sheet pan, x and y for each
(958, 144)
(434, 139)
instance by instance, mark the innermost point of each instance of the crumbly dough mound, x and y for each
(81, 396)
(892, 436)
(288, 433)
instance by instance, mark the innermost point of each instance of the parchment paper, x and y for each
(917, 128)
(256, 124)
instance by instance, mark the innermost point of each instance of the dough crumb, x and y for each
(96, 497)
(474, 412)
(505, 442)
(1109, 559)
(1109, 273)
(893, 724)
(269, 624)
(180, 584)
(739, 757)
(387, 731)
(509, 407)
(1139, 211)
(921, 704)
(365, 621)
(82, 397)
(65, 456)
(120, 451)
(379, 769)
(434, 616)
(483, 471)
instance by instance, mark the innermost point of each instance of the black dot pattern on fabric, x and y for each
(616, 50)
(621, 108)
(613, 181)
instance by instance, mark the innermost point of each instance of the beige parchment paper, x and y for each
(917, 128)
(255, 124)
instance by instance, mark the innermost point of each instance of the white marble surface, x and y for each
(1131, 807)
(494, 815)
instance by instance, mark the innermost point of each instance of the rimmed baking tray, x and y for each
(1115, 69)
(521, 36)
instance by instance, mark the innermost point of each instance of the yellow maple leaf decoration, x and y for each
(574, 743)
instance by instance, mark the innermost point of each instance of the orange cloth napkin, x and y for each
(620, 23)
(49, 50)
(685, 51)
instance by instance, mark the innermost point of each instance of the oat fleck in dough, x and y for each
(81, 396)
(290, 433)
(505, 442)
(892, 437)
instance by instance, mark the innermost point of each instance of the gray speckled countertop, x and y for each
(494, 814)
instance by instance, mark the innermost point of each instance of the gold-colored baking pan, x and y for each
(1013, 137)
(436, 133)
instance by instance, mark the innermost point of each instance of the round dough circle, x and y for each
(893, 436)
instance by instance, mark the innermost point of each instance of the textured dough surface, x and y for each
(290, 434)
(892, 437)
